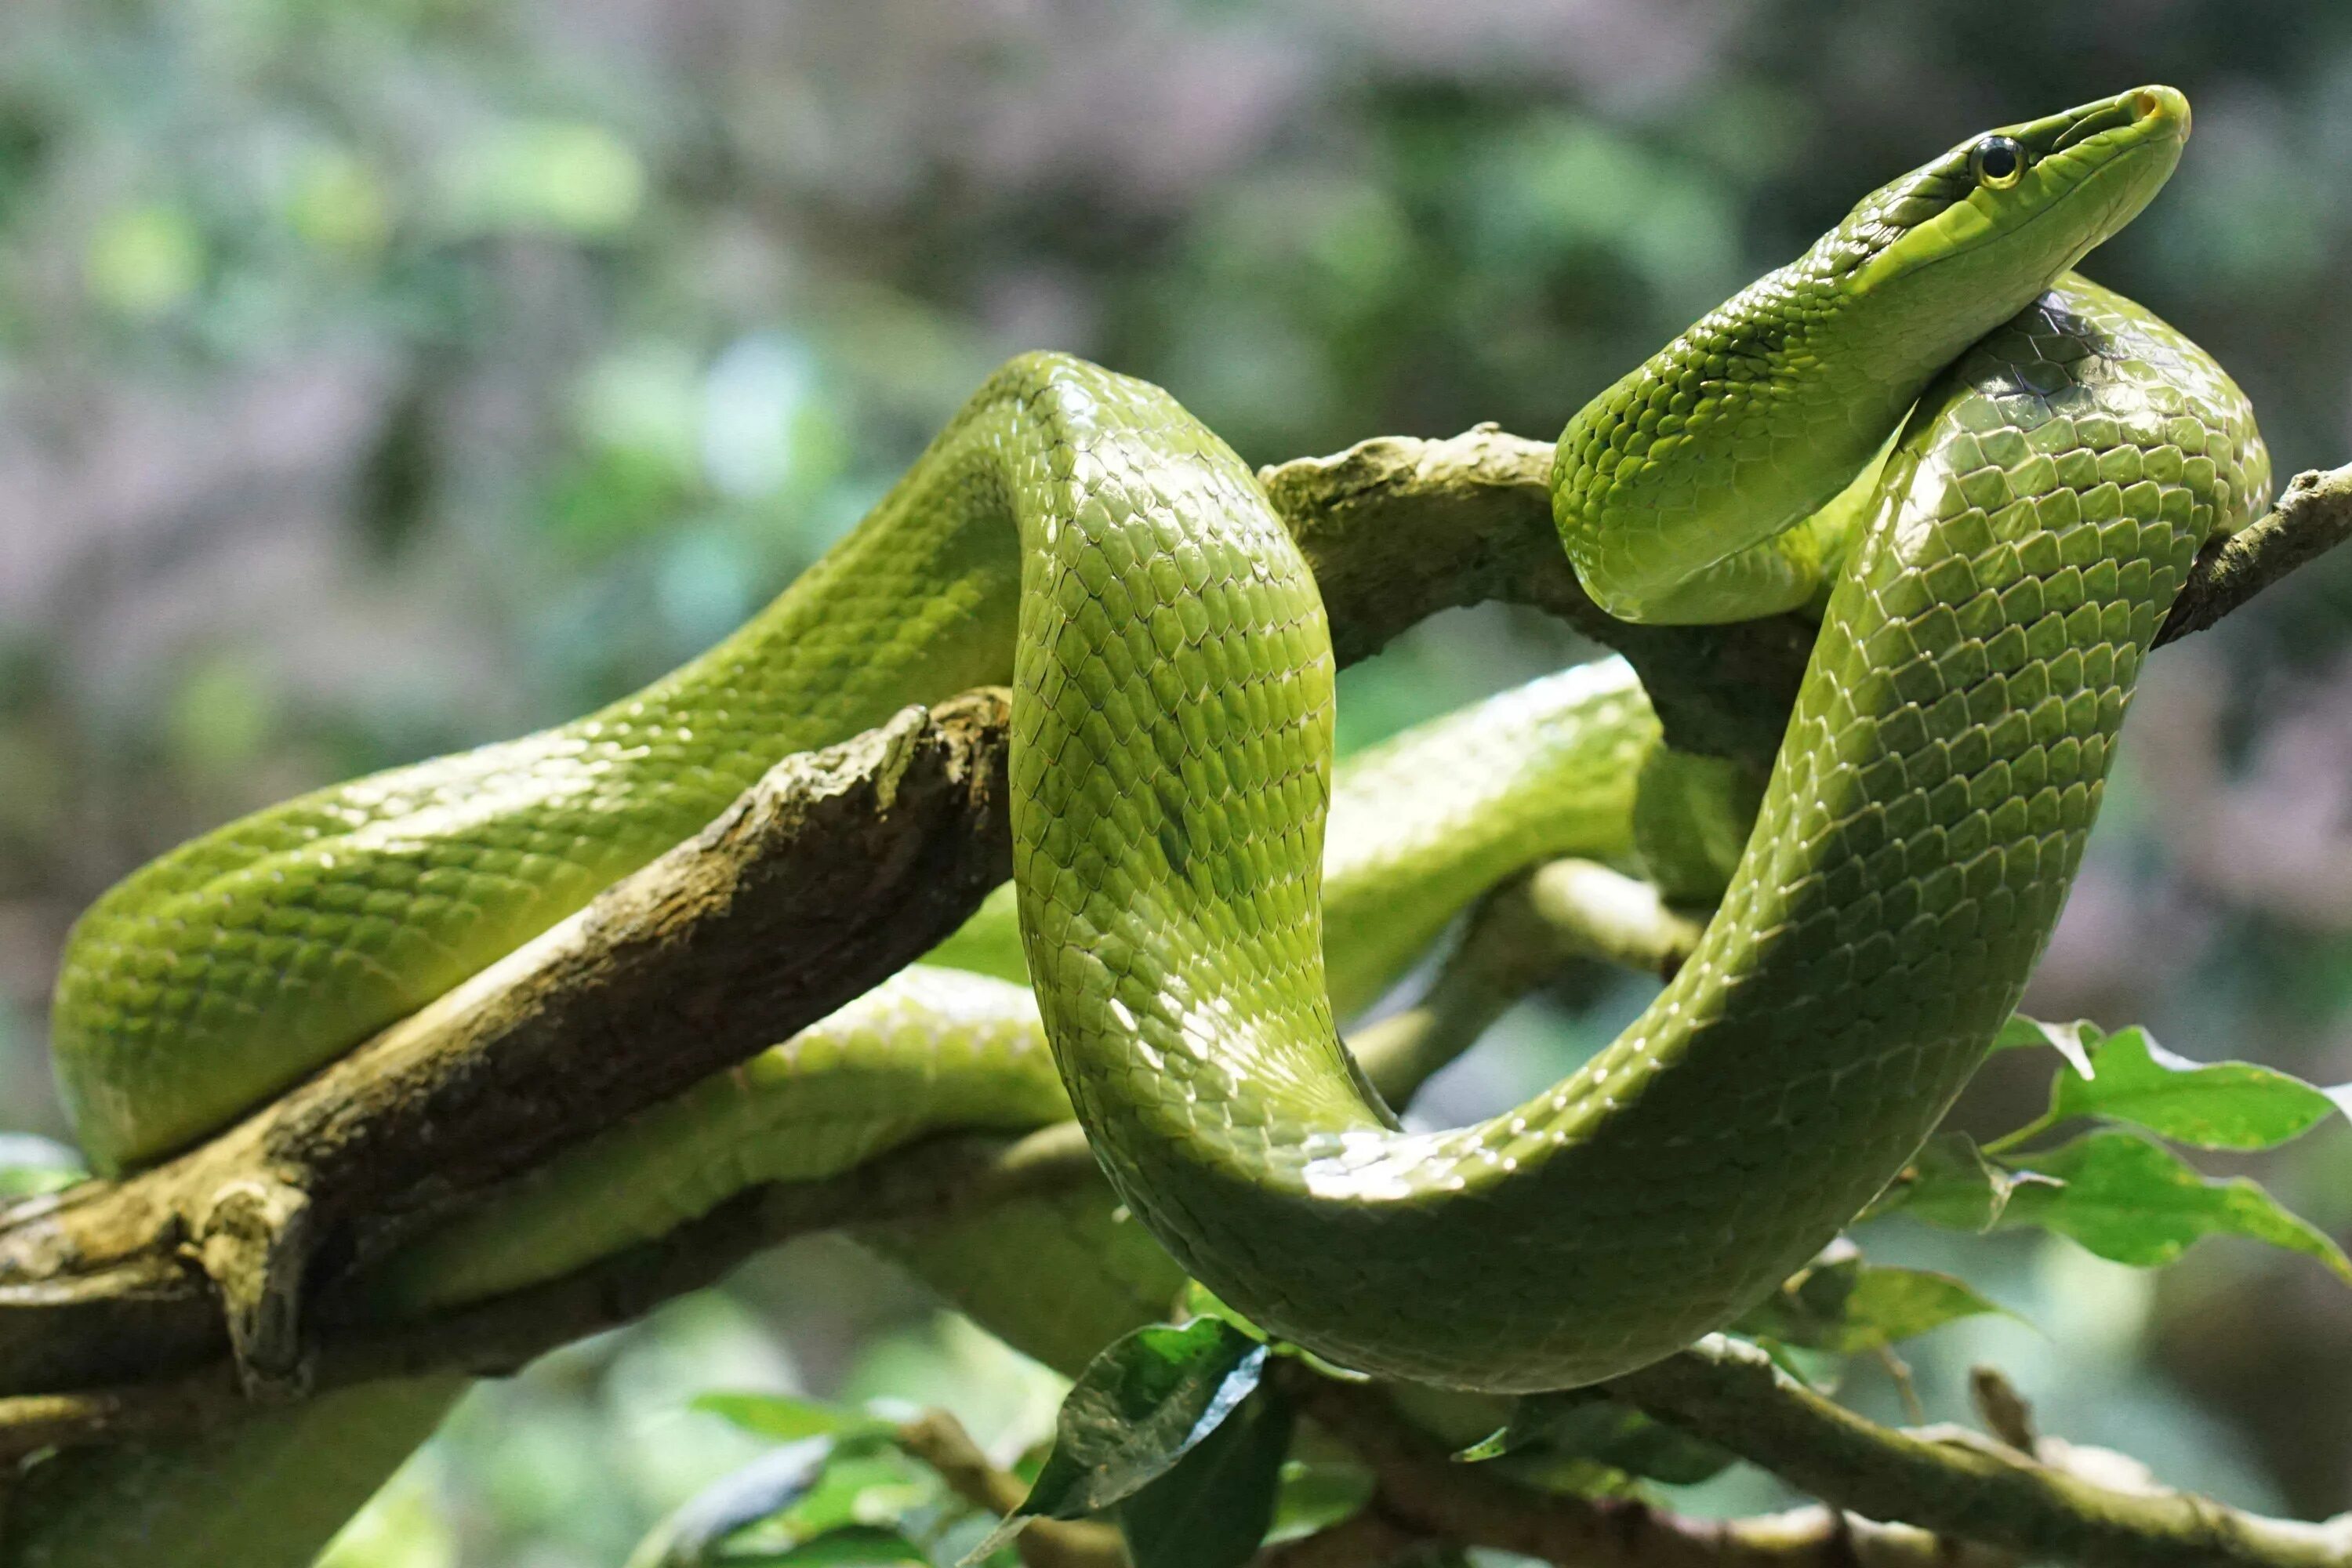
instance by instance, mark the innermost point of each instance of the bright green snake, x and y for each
(2059, 458)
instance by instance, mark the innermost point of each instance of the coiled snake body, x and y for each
(2058, 458)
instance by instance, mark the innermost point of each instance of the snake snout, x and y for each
(2151, 106)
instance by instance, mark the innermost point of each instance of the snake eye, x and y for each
(1997, 161)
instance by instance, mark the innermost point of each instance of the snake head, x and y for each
(1988, 227)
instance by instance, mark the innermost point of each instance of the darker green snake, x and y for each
(1988, 475)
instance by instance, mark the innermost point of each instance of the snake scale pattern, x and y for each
(2039, 463)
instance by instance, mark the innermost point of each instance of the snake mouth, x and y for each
(2151, 110)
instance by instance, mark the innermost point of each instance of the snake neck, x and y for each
(1675, 491)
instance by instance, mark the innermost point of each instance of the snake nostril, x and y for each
(2161, 102)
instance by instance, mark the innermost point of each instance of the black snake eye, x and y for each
(1997, 161)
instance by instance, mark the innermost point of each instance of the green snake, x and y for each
(2029, 466)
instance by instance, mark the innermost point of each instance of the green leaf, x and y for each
(1214, 1507)
(30, 1164)
(769, 1485)
(1951, 1182)
(2135, 1202)
(789, 1420)
(864, 1485)
(1197, 1300)
(1847, 1306)
(1138, 1407)
(2219, 1105)
(1581, 1425)
(2071, 1041)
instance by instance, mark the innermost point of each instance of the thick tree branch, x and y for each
(835, 869)
(933, 1181)
(1956, 1482)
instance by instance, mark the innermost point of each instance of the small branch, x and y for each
(1608, 915)
(1957, 1483)
(939, 1440)
(2313, 517)
(1420, 1490)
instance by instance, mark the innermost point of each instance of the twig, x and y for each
(939, 1440)
(1420, 1490)
(2313, 517)
(1957, 1483)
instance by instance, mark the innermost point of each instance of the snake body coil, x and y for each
(2058, 458)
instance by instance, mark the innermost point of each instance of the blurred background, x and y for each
(382, 376)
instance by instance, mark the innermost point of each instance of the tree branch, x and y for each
(1424, 1491)
(2313, 517)
(1399, 528)
(2042, 1505)
(939, 1440)
(935, 1180)
(849, 862)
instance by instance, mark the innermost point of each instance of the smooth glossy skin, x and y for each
(1173, 679)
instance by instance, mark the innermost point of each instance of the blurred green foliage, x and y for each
(380, 376)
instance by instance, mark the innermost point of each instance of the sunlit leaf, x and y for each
(2217, 1105)
(567, 176)
(1137, 1408)
(2135, 1202)
(864, 1484)
(143, 260)
(1214, 1509)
